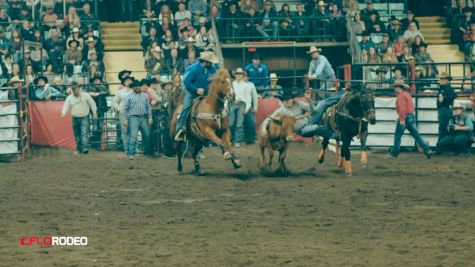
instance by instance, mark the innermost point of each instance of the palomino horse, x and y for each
(206, 122)
(350, 118)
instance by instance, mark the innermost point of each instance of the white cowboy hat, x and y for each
(458, 106)
(157, 49)
(75, 29)
(321, 3)
(239, 71)
(314, 49)
(273, 76)
(209, 56)
(190, 40)
(400, 83)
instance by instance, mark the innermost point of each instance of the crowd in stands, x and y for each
(397, 43)
(65, 48)
(460, 18)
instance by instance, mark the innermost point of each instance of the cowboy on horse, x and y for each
(197, 79)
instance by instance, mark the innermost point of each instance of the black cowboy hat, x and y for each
(122, 73)
(256, 56)
(135, 83)
(40, 78)
(287, 94)
(73, 41)
(145, 81)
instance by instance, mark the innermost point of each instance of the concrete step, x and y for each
(444, 47)
(426, 25)
(116, 61)
(438, 41)
(120, 31)
(120, 24)
(430, 19)
(436, 35)
(426, 31)
(123, 48)
(121, 36)
(121, 42)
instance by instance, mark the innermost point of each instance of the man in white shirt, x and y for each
(118, 105)
(80, 104)
(250, 124)
(240, 107)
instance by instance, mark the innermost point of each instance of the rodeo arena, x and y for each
(237, 133)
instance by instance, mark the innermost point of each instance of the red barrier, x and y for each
(47, 127)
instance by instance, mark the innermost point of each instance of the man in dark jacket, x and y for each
(269, 25)
(408, 20)
(445, 102)
(233, 22)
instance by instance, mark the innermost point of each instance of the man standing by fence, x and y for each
(445, 102)
(80, 104)
(138, 114)
(118, 105)
(406, 120)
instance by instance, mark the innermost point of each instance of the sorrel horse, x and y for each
(350, 118)
(207, 123)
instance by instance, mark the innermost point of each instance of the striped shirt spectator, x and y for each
(137, 104)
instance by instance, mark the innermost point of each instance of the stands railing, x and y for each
(217, 44)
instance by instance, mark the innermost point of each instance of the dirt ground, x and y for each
(405, 212)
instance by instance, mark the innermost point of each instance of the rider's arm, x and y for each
(190, 77)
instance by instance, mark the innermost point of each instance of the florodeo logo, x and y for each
(41, 241)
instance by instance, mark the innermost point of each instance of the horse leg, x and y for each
(345, 152)
(339, 162)
(196, 149)
(364, 148)
(179, 155)
(321, 156)
(224, 144)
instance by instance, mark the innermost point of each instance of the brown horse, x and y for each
(207, 123)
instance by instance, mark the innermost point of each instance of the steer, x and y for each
(279, 133)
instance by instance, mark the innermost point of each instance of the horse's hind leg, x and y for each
(321, 156)
(345, 152)
(339, 162)
(196, 149)
(364, 148)
(179, 154)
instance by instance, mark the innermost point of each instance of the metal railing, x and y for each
(14, 130)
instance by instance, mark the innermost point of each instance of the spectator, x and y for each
(358, 25)
(422, 56)
(118, 106)
(155, 63)
(147, 41)
(186, 24)
(269, 26)
(73, 55)
(405, 111)
(49, 18)
(55, 47)
(285, 14)
(26, 31)
(98, 92)
(165, 12)
(463, 28)
(79, 103)
(301, 23)
(29, 75)
(75, 36)
(198, 8)
(233, 23)
(366, 43)
(396, 31)
(368, 11)
(320, 68)
(411, 33)
(87, 18)
(4, 19)
(44, 91)
(182, 13)
(375, 25)
(383, 46)
(445, 101)
(250, 24)
(273, 89)
(239, 107)
(406, 22)
(250, 124)
(399, 46)
(460, 132)
(174, 63)
(190, 60)
(204, 41)
(321, 24)
(258, 73)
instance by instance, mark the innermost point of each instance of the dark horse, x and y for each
(350, 118)
(207, 123)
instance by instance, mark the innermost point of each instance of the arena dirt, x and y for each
(405, 212)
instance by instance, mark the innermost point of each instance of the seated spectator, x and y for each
(460, 135)
(77, 37)
(368, 11)
(463, 28)
(73, 55)
(406, 22)
(165, 12)
(48, 73)
(422, 56)
(55, 46)
(357, 24)
(301, 23)
(93, 71)
(190, 60)
(26, 31)
(269, 27)
(4, 43)
(285, 14)
(198, 8)
(375, 25)
(186, 24)
(87, 18)
(49, 19)
(68, 76)
(273, 89)
(416, 44)
(337, 22)
(174, 63)
(155, 63)
(147, 41)
(366, 43)
(29, 75)
(39, 58)
(182, 13)
(44, 91)
(321, 26)
(233, 23)
(385, 43)
(395, 31)
(5, 20)
(92, 59)
(204, 41)
(286, 31)
(411, 33)
(399, 46)
(250, 24)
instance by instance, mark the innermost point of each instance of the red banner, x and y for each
(47, 127)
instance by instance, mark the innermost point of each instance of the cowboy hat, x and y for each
(445, 75)
(321, 3)
(43, 78)
(202, 20)
(190, 40)
(75, 29)
(157, 49)
(400, 83)
(73, 41)
(256, 56)
(209, 57)
(314, 49)
(123, 74)
(458, 106)
(90, 39)
(395, 22)
(286, 95)
(15, 79)
(273, 76)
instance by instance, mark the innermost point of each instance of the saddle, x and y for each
(329, 117)
(195, 116)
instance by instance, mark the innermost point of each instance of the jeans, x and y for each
(124, 132)
(458, 143)
(136, 124)
(80, 129)
(314, 130)
(273, 26)
(444, 116)
(187, 104)
(236, 121)
(250, 127)
(323, 105)
(411, 127)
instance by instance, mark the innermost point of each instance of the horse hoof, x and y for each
(180, 172)
(199, 173)
(237, 164)
(321, 160)
(364, 166)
